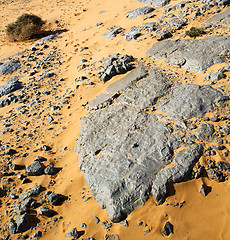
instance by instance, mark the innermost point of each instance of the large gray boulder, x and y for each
(155, 3)
(123, 149)
(193, 55)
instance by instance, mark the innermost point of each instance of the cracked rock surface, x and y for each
(124, 147)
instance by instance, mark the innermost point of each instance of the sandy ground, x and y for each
(199, 218)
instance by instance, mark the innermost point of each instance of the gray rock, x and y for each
(205, 132)
(139, 11)
(34, 191)
(50, 170)
(155, 3)
(113, 33)
(164, 33)
(183, 163)
(73, 233)
(204, 190)
(12, 226)
(56, 199)
(10, 87)
(133, 34)
(188, 101)
(23, 223)
(9, 67)
(37, 234)
(168, 229)
(132, 147)
(215, 175)
(223, 166)
(46, 212)
(220, 19)
(198, 54)
(35, 169)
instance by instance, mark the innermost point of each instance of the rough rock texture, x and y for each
(9, 87)
(188, 101)
(9, 67)
(193, 55)
(35, 169)
(139, 11)
(155, 3)
(123, 149)
(220, 19)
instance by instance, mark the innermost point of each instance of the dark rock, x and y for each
(168, 229)
(198, 54)
(96, 219)
(164, 33)
(106, 225)
(56, 199)
(10, 152)
(12, 226)
(9, 67)
(23, 223)
(139, 11)
(46, 212)
(215, 175)
(35, 169)
(10, 87)
(223, 166)
(205, 190)
(50, 170)
(73, 233)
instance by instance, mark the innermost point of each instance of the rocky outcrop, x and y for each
(193, 55)
(123, 150)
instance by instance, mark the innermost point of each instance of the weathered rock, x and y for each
(9, 67)
(168, 229)
(46, 212)
(73, 233)
(50, 170)
(223, 166)
(35, 169)
(215, 175)
(56, 199)
(204, 190)
(132, 147)
(220, 19)
(133, 34)
(113, 33)
(205, 132)
(198, 54)
(139, 11)
(155, 3)
(12, 226)
(23, 223)
(188, 101)
(183, 163)
(10, 87)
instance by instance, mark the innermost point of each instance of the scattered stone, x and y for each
(37, 234)
(223, 166)
(74, 234)
(96, 219)
(106, 225)
(23, 223)
(112, 237)
(50, 170)
(114, 32)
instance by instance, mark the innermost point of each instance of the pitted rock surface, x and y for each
(123, 148)
(193, 55)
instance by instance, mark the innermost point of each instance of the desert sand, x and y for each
(193, 215)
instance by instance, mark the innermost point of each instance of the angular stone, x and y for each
(10, 87)
(35, 169)
(168, 229)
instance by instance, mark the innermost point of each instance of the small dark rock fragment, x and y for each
(46, 212)
(35, 169)
(168, 229)
(56, 199)
(215, 175)
(205, 190)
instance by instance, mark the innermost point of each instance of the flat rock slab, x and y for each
(9, 67)
(193, 55)
(220, 19)
(10, 87)
(139, 11)
(123, 149)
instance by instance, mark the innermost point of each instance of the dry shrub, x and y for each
(194, 32)
(25, 26)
